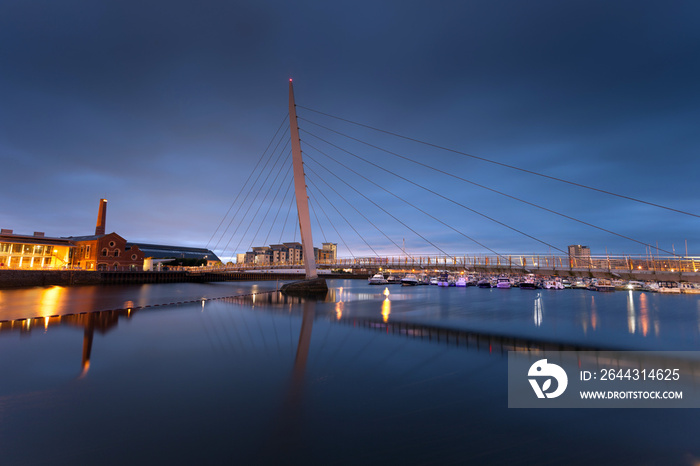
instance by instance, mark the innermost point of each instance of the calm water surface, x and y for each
(181, 374)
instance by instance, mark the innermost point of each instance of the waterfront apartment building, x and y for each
(579, 256)
(576, 250)
(287, 253)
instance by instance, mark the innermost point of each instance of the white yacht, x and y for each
(409, 280)
(503, 282)
(604, 284)
(378, 279)
(669, 287)
(689, 288)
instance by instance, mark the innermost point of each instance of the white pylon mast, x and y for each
(307, 244)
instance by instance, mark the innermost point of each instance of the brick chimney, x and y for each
(101, 218)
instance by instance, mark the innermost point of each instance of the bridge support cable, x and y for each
(296, 227)
(404, 201)
(253, 202)
(356, 209)
(291, 203)
(247, 180)
(311, 195)
(378, 206)
(245, 199)
(452, 175)
(271, 203)
(442, 196)
(483, 159)
(260, 204)
(343, 217)
(274, 221)
(318, 221)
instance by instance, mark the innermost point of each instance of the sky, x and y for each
(166, 108)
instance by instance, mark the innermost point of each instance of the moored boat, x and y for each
(604, 284)
(378, 279)
(634, 285)
(409, 280)
(579, 284)
(669, 287)
(553, 284)
(484, 283)
(503, 282)
(528, 283)
(689, 288)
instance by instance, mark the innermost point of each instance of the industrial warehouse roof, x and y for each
(35, 239)
(159, 251)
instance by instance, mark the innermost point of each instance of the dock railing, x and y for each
(516, 262)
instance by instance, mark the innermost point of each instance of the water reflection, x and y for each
(538, 310)
(616, 316)
(386, 306)
(644, 314)
(339, 310)
(101, 321)
(319, 396)
(50, 298)
(631, 316)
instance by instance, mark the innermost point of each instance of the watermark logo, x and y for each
(543, 370)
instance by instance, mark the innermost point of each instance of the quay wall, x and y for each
(30, 278)
(27, 278)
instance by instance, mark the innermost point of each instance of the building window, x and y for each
(111, 244)
(133, 257)
(104, 252)
(116, 253)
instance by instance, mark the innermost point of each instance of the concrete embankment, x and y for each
(29, 278)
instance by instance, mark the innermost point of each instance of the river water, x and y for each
(235, 373)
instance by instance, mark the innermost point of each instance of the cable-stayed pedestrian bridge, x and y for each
(331, 177)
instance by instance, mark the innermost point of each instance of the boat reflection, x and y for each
(631, 316)
(538, 310)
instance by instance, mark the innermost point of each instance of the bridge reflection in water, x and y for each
(279, 303)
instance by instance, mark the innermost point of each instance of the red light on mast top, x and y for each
(290, 80)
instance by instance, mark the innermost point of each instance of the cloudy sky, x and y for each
(166, 108)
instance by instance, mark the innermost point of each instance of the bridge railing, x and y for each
(516, 262)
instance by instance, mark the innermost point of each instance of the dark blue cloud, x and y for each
(165, 108)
